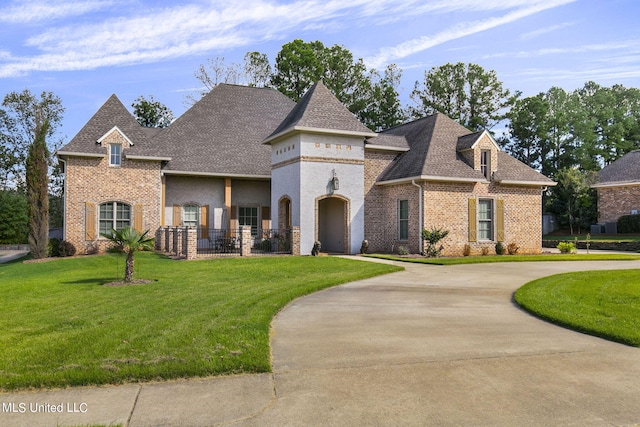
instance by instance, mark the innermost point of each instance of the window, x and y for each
(114, 215)
(403, 220)
(248, 216)
(485, 163)
(115, 155)
(190, 216)
(485, 219)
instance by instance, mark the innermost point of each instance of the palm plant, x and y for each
(129, 241)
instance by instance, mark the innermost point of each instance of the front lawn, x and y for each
(600, 303)
(60, 327)
(509, 258)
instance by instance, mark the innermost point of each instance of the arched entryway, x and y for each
(284, 213)
(332, 229)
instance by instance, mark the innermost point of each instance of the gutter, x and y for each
(420, 214)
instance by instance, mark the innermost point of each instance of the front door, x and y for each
(332, 232)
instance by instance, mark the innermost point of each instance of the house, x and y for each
(618, 188)
(245, 156)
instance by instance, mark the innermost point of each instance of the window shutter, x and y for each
(89, 221)
(500, 220)
(177, 216)
(473, 224)
(266, 217)
(204, 221)
(137, 217)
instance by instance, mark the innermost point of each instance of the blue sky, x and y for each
(85, 50)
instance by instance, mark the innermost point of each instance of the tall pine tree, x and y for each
(37, 165)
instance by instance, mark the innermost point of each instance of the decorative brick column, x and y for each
(170, 244)
(245, 243)
(192, 242)
(295, 241)
(165, 239)
(179, 240)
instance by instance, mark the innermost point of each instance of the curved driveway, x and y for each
(429, 346)
(440, 345)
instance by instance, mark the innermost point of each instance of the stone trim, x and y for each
(315, 159)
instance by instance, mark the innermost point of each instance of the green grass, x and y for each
(59, 327)
(601, 303)
(510, 258)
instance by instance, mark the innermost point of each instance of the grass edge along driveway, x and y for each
(605, 304)
(61, 327)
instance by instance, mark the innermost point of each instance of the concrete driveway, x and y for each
(429, 346)
(445, 346)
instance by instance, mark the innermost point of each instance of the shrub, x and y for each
(403, 250)
(67, 249)
(566, 247)
(54, 247)
(432, 237)
(484, 251)
(629, 224)
(466, 251)
(499, 248)
(512, 248)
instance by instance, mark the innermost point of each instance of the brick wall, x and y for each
(613, 202)
(93, 180)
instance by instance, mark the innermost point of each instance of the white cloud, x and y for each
(460, 30)
(151, 34)
(20, 12)
(626, 46)
(533, 34)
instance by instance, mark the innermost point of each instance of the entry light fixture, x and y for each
(335, 182)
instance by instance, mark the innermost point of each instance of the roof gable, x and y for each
(110, 116)
(109, 135)
(470, 141)
(435, 143)
(320, 111)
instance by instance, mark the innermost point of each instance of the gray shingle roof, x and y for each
(625, 170)
(435, 142)
(320, 109)
(511, 169)
(112, 113)
(223, 132)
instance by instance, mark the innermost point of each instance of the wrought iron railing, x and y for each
(219, 242)
(272, 242)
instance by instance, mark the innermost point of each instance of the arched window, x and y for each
(114, 215)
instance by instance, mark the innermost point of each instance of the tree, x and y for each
(14, 222)
(466, 93)
(527, 127)
(19, 118)
(257, 69)
(382, 109)
(37, 165)
(151, 113)
(573, 199)
(298, 67)
(129, 241)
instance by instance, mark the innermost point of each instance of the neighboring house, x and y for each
(618, 188)
(251, 156)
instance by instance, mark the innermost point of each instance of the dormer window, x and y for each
(485, 163)
(115, 155)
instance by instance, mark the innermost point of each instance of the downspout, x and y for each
(64, 199)
(420, 214)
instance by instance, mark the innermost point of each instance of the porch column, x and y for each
(295, 241)
(245, 245)
(192, 242)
